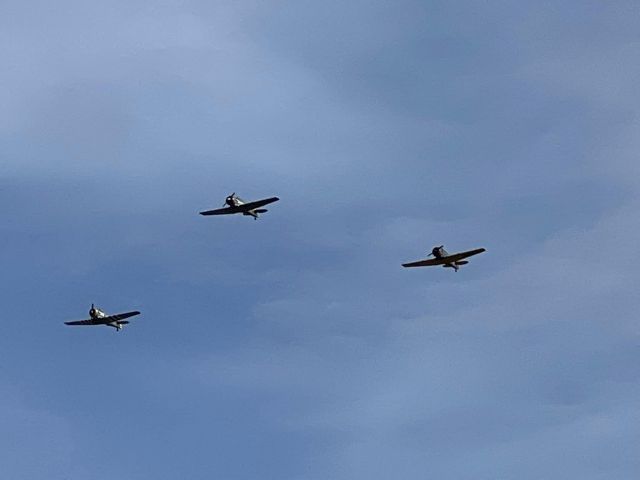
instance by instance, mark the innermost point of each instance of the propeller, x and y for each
(229, 198)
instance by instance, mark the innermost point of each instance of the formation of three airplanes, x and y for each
(234, 204)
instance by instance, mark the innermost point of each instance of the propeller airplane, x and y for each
(235, 204)
(447, 260)
(98, 317)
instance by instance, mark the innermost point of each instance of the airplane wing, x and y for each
(245, 207)
(444, 260)
(84, 322)
(120, 316)
(104, 320)
(459, 256)
(221, 211)
(426, 263)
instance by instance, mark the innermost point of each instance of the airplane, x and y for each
(237, 205)
(98, 317)
(447, 260)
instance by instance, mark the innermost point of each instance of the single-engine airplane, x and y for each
(447, 260)
(98, 317)
(235, 204)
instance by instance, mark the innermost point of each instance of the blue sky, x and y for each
(295, 347)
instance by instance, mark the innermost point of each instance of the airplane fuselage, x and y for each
(440, 252)
(237, 202)
(234, 201)
(96, 313)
